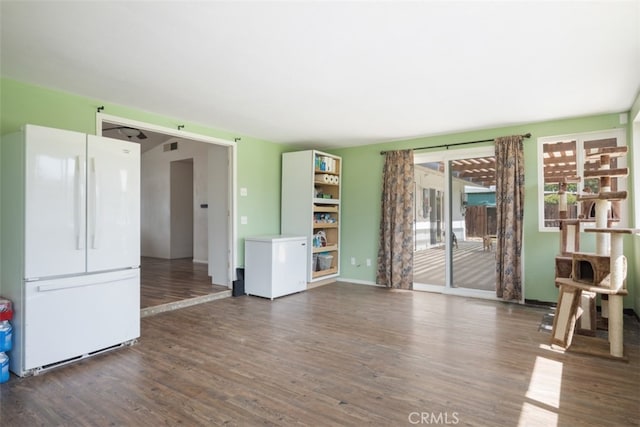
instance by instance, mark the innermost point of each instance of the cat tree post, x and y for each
(603, 206)
(616, 288)
(618, 275)
(562, 200)
(602, 240)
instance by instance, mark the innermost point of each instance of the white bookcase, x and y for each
(311, 183)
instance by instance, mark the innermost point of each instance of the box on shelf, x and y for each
(324, 261)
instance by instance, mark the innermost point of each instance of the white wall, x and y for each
(219, 211)
(155, 221)
(182, 209)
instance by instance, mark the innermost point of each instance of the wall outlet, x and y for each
(368, 262)
(353, 261)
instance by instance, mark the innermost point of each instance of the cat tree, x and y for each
(581, 276)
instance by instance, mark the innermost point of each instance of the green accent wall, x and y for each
(259, 170)
(258, 161)
(361, 195)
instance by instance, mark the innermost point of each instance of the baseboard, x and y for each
(537, 303)
(631, 312)
(199, 261)
(359, 282)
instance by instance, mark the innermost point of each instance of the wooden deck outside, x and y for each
(473, 267)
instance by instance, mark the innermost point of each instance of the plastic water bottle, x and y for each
(6, 333)
(4, 368)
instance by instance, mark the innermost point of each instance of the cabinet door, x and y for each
(113, 204)
(55, 230)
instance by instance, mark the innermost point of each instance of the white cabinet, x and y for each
(311, 189)
(275, 265)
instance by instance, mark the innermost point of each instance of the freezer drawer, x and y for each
(67, 318)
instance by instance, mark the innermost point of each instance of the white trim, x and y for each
(446, 156)
(580, 138)
(233, 257)
(100, 117)
(359, 282)
(234, 208)
(635, 165)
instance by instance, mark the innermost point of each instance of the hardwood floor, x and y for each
(165, 281)
(339, 354)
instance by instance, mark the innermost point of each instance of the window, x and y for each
(563, 162)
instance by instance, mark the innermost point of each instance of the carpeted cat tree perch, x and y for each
(581, 276)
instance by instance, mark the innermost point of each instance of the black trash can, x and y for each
(238, 285)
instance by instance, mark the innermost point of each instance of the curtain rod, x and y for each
(526, 135)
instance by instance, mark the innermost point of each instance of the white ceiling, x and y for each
(329, 74)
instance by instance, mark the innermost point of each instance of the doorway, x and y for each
(187, 231)
(455, 222)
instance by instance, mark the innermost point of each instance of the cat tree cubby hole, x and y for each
(591, 269)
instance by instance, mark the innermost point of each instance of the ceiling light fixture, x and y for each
(129, 132)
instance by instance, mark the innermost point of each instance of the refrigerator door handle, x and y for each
(95, 201)
(72, 284)
(79, 214)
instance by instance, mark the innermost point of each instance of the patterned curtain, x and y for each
(510, 208)
(395, 255)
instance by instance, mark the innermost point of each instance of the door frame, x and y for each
(446, 156)
(232, 173)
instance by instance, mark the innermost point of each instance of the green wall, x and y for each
(361, 194)
(258, 161)
(258, 170)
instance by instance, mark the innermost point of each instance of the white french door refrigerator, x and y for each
(70, 245)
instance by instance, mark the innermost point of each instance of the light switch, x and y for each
(243, 220)
(243, 191)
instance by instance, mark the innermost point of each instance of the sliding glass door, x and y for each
(429, 217)
(455, 222)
